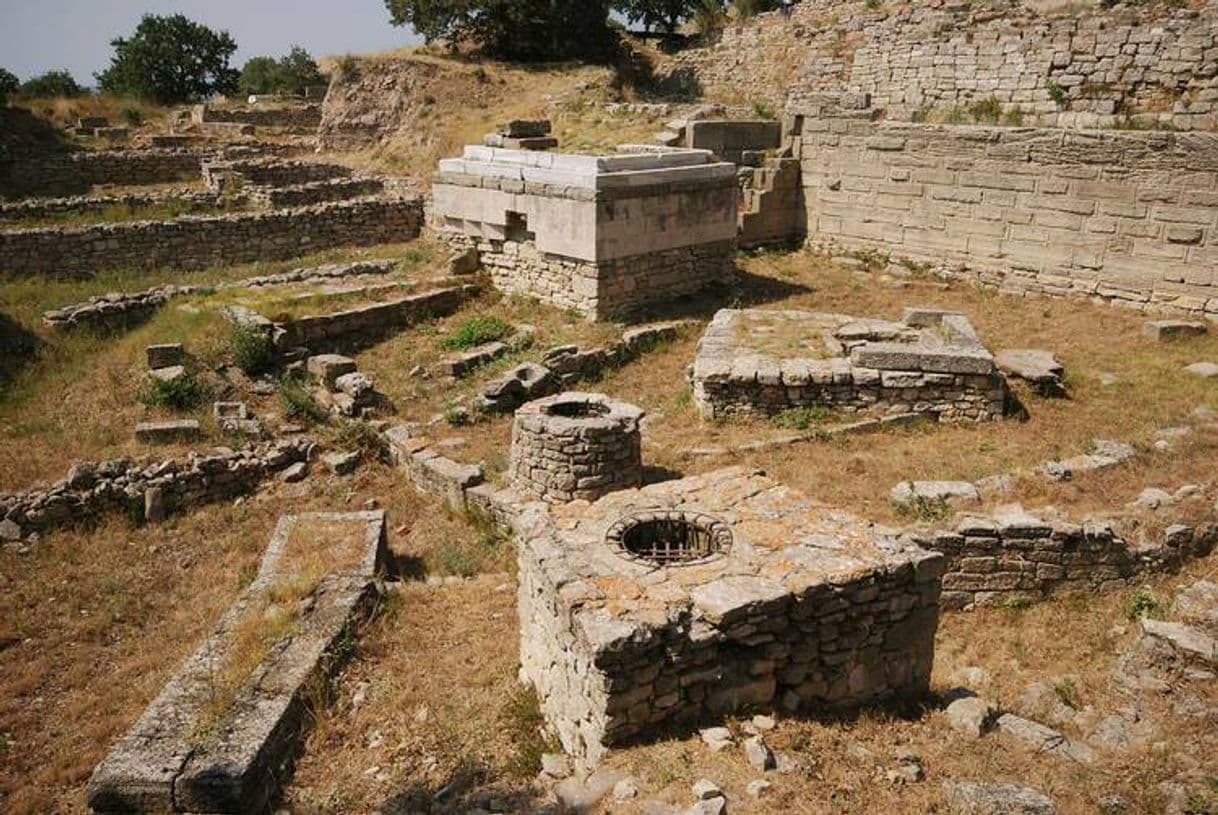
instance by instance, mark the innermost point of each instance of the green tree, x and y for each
(170, 60)
(664, 15)
(291, 73)
(52, 83)
(259, 75)
(525, 30)
(8, 85)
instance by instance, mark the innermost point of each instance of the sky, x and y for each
(42, 35)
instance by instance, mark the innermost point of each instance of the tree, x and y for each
(291, 73)
(8, 85)
(664, 15)
(525, 30)
(52, 83)
(170, 60)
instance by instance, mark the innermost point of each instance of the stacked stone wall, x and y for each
(196, 242)
(270, 172)
(122, 486)
(1016, 556)
(851, 389)
(191, 199)
(1115, 215)
(826, 646)
(300, 116)
(354, 326)
(1150, 63)
(63, 174)
(607, 289)
(316, 192)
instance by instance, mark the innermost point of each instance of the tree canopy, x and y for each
(52, 83)
(170, 60)
(662, 15)
(525, 30)
(291, 73)
(8, 84)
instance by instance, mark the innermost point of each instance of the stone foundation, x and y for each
(805, 609)
(74, 173)
(609, 289)
(576, 446)
(760, 363)
(196, 242)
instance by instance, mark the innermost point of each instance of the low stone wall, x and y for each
(74, 173)
(1015, 556)
(91, 490)
(269, 172)
(192, 200)
(1129, 217)
(196, 242)
(609, 289)
(185, 755)
(355, 326)
(301, 116)
(316, 192)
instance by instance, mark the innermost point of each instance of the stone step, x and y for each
(667, 138)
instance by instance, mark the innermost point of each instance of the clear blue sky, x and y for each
(41, 35)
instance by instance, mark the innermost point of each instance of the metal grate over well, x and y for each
(670, 538)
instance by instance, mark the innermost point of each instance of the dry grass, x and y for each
(119, 213)
(63, 111)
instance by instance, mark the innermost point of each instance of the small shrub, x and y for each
(763, 109)
(525, 727)
(926, 510)
(476, 331)
(298, 402)
(456, 415)
(1145, 604)
(1067, 692)
(873, 4)
(1056, 92)
(357, 435)
(251, 349)
(1013, 117)
(802, 418)
(184, 393)
(132, 116)
(986, 111)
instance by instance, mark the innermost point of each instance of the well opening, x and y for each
(671, 538)
(577, 409)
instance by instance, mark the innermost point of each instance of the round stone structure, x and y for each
(576, 446)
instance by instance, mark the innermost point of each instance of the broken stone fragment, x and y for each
(717, 739)
(988, 798)
(951, 492)
(1205, 370)
(341, 462)
(704, 789)
(356, 385)
(295, 473)
(972, 716)
(326, 368)
(177, 430)
(167, 375)
(1168, 330)
(759, 754)
(1041, 368)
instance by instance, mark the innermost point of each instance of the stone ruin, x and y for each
(677, 603)
(753, 362)
(602, 235)
(576, 446)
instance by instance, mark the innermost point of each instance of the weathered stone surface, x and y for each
(1043, 739)
(1041, 368)
(762, 362)
(990, 798)
(167, 432)
(704, 789)
(167, 375)
(617, 645)
(327, 368)
(163, 765)
(717, 739)
(909, 492)
(1168, 330)
(1205, 370)
(342, 462)
(1104, 453)
(760, 756)
(972, 716)
(1192, 644)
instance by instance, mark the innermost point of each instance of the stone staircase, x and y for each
(770, 208)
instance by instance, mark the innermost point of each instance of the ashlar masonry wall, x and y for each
(1127, 216)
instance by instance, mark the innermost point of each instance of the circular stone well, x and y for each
(576, 446)
(664, 538)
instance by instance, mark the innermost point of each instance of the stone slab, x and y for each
(167, 432)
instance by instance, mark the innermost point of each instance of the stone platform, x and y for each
(759, 362)
(679, 602)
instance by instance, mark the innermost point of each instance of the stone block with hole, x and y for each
(686, 600)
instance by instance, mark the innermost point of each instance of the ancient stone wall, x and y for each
(298, 116)
(1151, 63)
(269, 172)
(1123, 216)
(608, 289)
(189, 199)
(74, 173)
(195, 242)
(123, 486)
(1018, 556)
(351, 327)
(316, 192)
